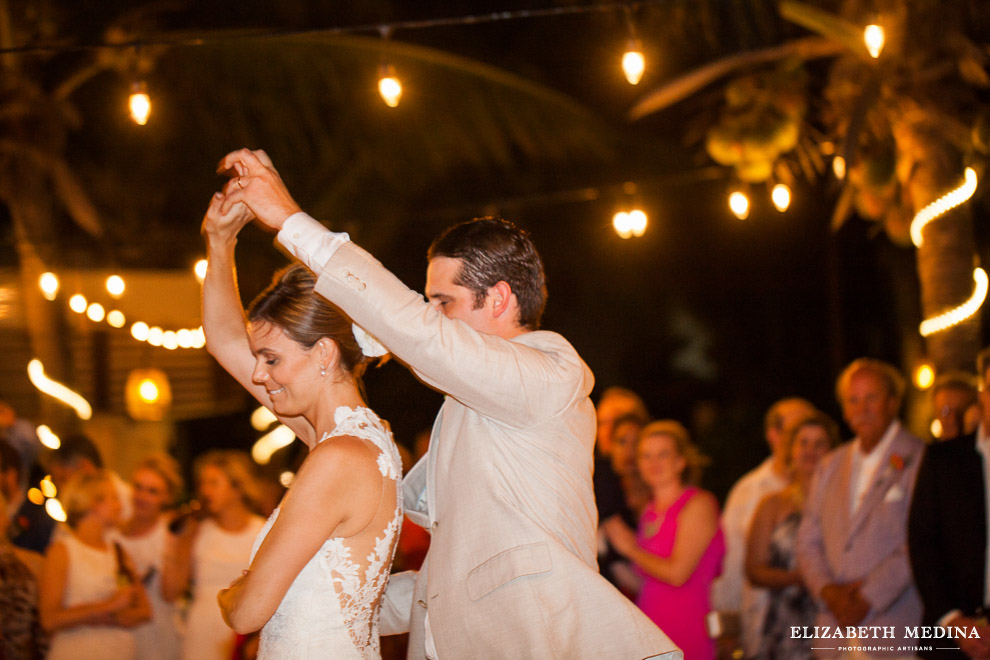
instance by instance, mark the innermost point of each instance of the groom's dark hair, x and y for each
(493, 250)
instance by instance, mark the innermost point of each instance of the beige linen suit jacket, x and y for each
(505, 488)
(838, 546)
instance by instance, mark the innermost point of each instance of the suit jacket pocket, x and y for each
(529, 559)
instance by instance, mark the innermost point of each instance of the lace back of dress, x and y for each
(360, 585)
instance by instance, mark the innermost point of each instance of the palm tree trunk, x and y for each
(931, 167)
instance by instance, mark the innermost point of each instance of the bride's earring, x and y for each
(323, 370)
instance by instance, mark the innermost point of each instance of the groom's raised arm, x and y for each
(506, 380)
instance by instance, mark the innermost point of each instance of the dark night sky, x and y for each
(702, 308)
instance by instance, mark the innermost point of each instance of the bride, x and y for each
(320, 565)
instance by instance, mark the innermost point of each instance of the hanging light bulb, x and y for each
(115, 286)
(78, 303)
(200, 270)
(739, 204)
(49, 285)
(389, 86)
(633, 62)
(839, 167)
(873, 37)
(781, 196)
(140, 103)
(96, 312)
(629, 224)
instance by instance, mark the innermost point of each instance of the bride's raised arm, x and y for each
(224, 323)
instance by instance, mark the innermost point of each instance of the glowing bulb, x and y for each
(47, 437)
(115, 286)
(48, 487)
(924, 376)
(622, 224)
(140, 331)
(839, 167)
(116, 318)
(873, 37)
(95, 312)
(637, 222)
(155, 336)
(78, 304)
(781, 196)
(633, 62)
(200, 270)
(56, 390)
(739, 205)
(936, 428)
(170, 340)
(139, 103)
(958, 314)
(36, 497)
(943, 205)
(184, 337)
(148, 391)
(54, 509)
(262, 418)
(199, 338)
(49, 285)
(389, 86)
(286, 478)
(268, 444)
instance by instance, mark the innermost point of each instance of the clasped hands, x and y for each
(254, 191)
(846, 602)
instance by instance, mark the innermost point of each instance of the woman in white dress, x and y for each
(155, 485)
(320, 569)
(90, 597)
(213, 548)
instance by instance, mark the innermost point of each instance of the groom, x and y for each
(505, 488)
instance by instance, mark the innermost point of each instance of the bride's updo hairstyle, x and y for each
(291, 303)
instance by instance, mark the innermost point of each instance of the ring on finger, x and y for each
(240, 184)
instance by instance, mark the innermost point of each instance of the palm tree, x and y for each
(83, 186)
(906, 125)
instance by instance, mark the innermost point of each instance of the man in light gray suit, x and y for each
(505, 488)
(852, 543)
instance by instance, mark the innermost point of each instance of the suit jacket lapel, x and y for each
(843, 486)
(886, 476)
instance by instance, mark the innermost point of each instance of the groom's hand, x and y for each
(255, 183)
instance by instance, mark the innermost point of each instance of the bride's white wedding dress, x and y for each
(331, 609)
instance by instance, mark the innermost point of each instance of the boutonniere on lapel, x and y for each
(18, 526)
(897, 462)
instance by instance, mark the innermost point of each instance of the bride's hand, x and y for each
(227, 598)
(222, 227)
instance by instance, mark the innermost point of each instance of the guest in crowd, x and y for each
(953, 397)
(30, 527)
(741, 605)
(616, 404)
(679, 547)
(78, 454)
(947, 534)
(771, 560)
(213, 549)
(852, 542)
(21, 634)
(624, 442)
(156, 483)
(21, 434)
(90, 597)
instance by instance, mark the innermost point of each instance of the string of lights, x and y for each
(186, 40)
(152, 334)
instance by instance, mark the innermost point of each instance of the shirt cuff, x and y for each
(944, 621)
(309, 241)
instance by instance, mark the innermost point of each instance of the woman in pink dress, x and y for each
(679, 547)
